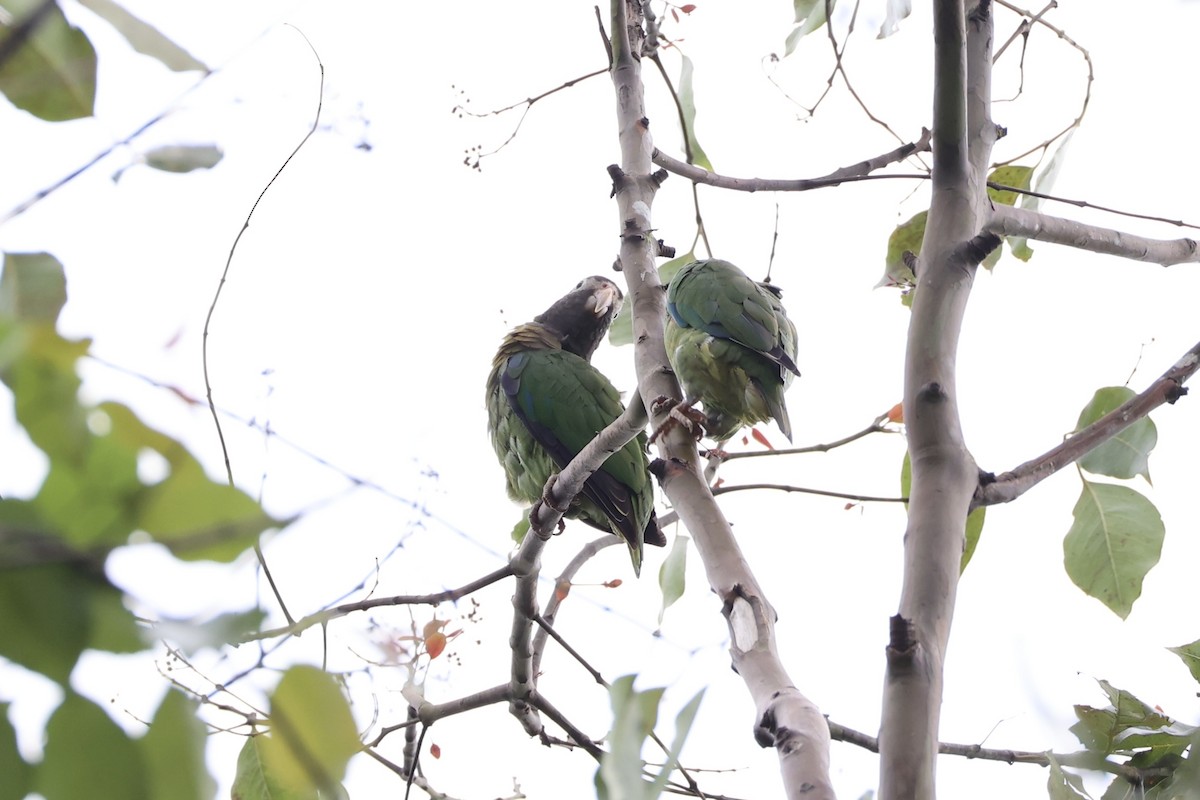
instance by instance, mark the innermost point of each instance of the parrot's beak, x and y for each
(606, 297)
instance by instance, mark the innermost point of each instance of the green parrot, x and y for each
(731, 345)
(545, 402)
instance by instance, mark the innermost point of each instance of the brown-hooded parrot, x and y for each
(731, 345)
(545, 402)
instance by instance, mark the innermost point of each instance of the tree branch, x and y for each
(944, 475)
(845, 174)
(1011, 221)
(786, 719)
(1167, 389)
(783, 487)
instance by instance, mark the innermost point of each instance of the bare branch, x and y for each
(848, 174)
(1167, 389)
(212, 408)
(783, 487)
(1041, 758)
(1010, 221)
(1091, 76)
(877, 426)
(433, 599)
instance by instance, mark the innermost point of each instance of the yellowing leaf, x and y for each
(312, 732)
(1009, 175)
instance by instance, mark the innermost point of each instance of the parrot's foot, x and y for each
(681, 414)
(547, 499)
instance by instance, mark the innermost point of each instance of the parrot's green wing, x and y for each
(719, 299)
(562, 402)
(731, 345)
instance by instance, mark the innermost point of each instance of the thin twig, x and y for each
(217, 296)
(848, 174)
(782, 487)
(876, 426)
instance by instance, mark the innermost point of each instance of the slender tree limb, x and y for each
(1083, 759)
(846, 174)
(877, 426)
(432, 599)
(561, 587)
(944, 475)
(580, 738)
(787, 720)
(1037, 18)
(1167, 389)
(1011, 221)
(783, 487)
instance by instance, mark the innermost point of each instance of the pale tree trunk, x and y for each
(944, 475)
(784, 718)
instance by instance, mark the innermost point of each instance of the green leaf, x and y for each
(634, 716)
(683, 726)
(1009, 175)
(193, 515)
(113, 627)
(687, 105)
(44, 618)
(1115, 540)
(906, 238)
(52, 75)
(33, 287)
(89, 499)
(896, 11)
(1190, 655)
(16, 772)
(1129, 726)
(521, 528)
(1063, 785)
(621, 330)
(1043, 185)
(254, 779)
(671, 574)
(88, 756)
(144, 38)
(810, 15)
(975, 520)
(173, 750)
(1184, 784)
(312, 732)
(183, 157)
(1126, 454)
(39, 367)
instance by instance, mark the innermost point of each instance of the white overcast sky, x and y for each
(371, 289)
